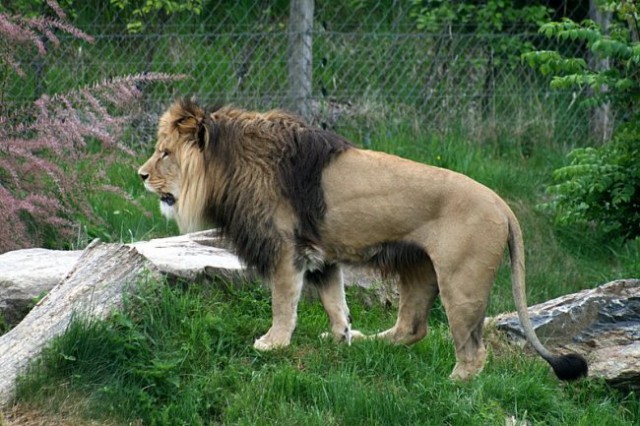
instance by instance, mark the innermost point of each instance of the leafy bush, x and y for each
(601, 185)
(505, 17)
(142, 12)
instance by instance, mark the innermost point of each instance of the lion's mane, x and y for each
(238, 166)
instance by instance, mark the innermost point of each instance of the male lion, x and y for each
(296, 201)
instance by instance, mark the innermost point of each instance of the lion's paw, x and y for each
(348, 336)
(268, 343)
(357, 335)
(326, 335)
(463, 372)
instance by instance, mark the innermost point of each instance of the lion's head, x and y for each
(178, 154)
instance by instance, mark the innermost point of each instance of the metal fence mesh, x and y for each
(371, 64)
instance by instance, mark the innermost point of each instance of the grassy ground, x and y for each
(182, 354)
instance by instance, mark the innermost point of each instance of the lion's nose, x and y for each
(143, 176)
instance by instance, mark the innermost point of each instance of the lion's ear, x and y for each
(188, 125)
(187, 117)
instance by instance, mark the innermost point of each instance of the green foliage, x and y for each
(485, 17)
(621, 79)
(490, 17)
(601, 185)
(143, 12)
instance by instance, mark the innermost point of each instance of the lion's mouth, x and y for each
(168, 199)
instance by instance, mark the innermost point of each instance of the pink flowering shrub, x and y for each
(44, 147)
(18, 32)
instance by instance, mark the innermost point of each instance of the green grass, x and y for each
(183, 355)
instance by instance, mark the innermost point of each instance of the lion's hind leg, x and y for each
(418, 288)
(465, 296)
(329, 283)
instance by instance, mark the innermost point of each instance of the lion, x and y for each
(297, 201)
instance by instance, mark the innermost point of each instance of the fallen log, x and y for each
(92, 289)
(27, 274)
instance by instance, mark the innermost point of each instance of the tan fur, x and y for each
(461, 224)
(371, 199)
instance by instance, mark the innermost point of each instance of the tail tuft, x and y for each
(569, 367)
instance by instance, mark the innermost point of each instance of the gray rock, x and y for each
(25, 275)
(601, 323)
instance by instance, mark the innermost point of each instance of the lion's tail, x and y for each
(566, 367)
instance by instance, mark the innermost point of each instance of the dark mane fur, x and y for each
(258, 159)
(301, 173)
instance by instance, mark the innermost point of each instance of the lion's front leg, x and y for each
(286, 287)
(330, 286)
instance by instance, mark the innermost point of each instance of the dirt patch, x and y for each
(24, 415)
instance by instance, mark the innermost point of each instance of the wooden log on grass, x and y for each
(92, 289)
(27, 274)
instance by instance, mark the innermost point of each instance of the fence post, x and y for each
(300, 56)
(602, 117)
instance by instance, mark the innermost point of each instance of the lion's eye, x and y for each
(164, 154)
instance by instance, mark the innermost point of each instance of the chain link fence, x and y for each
(371, 66)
